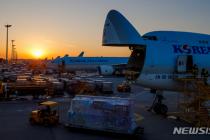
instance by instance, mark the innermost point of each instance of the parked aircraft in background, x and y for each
(104, 65)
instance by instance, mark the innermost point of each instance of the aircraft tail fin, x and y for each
(118, 31)
(66, 55)
(81, 54)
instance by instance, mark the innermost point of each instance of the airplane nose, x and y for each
(118, 31)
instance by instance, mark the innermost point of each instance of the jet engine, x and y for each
(106, 70)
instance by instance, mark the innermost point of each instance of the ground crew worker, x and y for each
(195, 70)
(202, 73)
(206, 75)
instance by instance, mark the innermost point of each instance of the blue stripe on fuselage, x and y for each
(92, 60)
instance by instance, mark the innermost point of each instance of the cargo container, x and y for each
(109, 114)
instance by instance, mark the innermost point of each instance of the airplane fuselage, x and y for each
(160, 67)
(105, 65)
(159, 58)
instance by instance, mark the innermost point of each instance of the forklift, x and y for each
(46, 114)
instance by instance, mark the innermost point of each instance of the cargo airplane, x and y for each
(157, 58)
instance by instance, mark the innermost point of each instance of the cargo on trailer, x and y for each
(112, 114)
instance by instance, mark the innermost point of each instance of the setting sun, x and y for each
(37, 53)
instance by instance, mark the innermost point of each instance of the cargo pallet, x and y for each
(191, 104)
(104, 114)
(31, 86)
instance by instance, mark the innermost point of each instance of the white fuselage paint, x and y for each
(165, 50)
(86, 63)
(160, 64)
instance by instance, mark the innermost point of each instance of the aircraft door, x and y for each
(189, 66)
(184, 63)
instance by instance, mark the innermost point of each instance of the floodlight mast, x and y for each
(7, 26)
(13, 50)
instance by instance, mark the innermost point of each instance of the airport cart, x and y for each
(109, 114)
(46, 114)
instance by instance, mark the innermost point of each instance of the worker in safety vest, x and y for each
(195, 70)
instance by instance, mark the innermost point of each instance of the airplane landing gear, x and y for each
(161, 109)
(157, 105)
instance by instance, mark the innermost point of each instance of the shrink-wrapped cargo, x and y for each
(103, 113)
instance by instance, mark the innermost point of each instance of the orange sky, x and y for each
(53, 48)
(52, 44)
(69, 27)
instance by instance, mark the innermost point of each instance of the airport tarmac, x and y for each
(15, 125)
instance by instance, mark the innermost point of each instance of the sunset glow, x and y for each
(54, 28)
(38, 53)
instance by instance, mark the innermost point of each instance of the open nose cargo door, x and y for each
(118, 31)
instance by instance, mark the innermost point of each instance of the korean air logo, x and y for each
(186, 49)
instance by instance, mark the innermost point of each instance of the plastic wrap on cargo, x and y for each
(103, 113)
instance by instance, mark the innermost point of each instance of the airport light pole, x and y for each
(16, 55)
(7, 26)
(13, 49)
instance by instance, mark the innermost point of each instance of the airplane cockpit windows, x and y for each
(150, 38)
